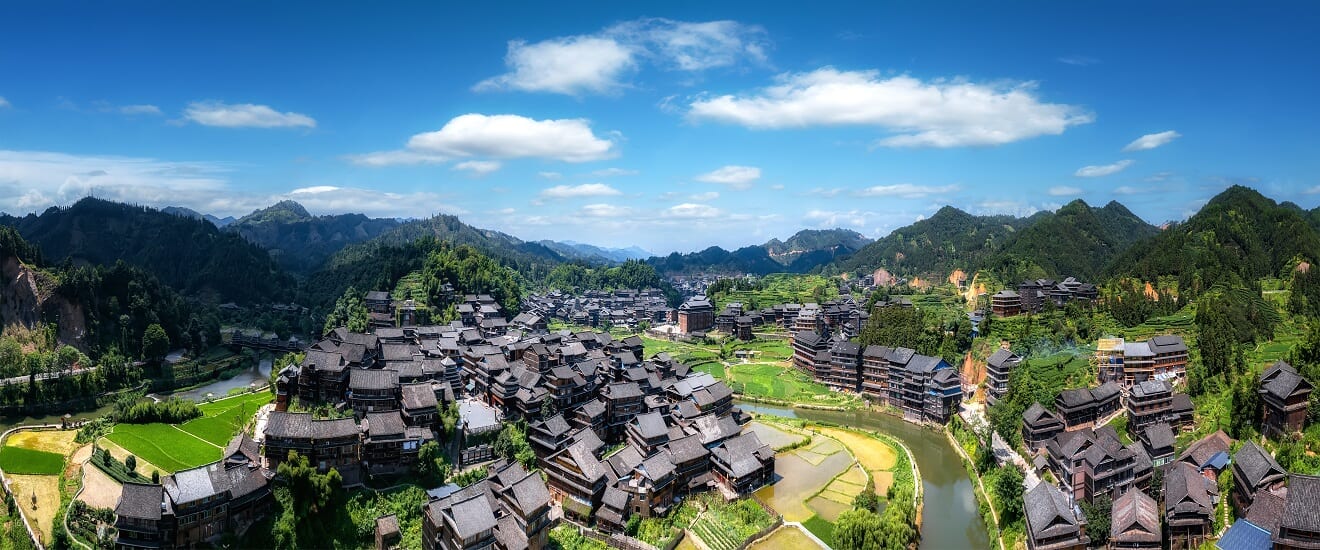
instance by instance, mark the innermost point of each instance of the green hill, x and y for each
(950, 239)
(1077, 240)
(302, 242)
(1236, 238)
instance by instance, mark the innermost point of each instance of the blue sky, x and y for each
(673, 126)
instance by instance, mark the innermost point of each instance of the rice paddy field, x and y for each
(172, 447)
(781, 288)
(17, 460)
(819, 480)
(787, 537)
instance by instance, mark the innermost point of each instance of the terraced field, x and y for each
(199, 441)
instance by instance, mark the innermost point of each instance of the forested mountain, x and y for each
(1077, 240)
(532, 259)
(301, 242)
(595, 254)
(190, 213)
(809, 248)
(95, 307)
(801, 253)
(189, 255)
(950, 239)
(1236, 238)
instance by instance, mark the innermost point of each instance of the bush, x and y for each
(169, 411)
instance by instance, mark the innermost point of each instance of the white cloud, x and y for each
(1129, 190)
(550, 175)
(137, 110)
(514, 136)
(1006, 207)
(777, 187)
(4, 103)
(599, 63)
(1312, 190)
(478, 167)
(827, 219)
(1151, 141)
(498, 136)
(691, 211)
(34, 180)
(613, 172)
(1102, 170)
(244, 115)
(704, 197)
(391, 158)
(1159, 177)
(936, 113)
(737, 177)
(572, 65)
(1064, 191)
(605, 211)
(576, 191)
(906, 190)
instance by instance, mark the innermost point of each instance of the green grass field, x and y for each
(193, 443)
(781, 288)
(16, 460)
(164, 445)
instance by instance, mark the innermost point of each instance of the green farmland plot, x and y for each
(193, 443)
(17, 460)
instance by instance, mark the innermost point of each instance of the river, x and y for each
(259, 375)
(949, 517)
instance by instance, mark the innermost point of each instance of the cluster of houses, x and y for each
(615, 436)
(924, 388)
(697, 315)
(1277, 509)
(1032, 295)
(595, 308)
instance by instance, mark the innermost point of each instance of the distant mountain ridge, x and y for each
(302, 242)
(803, 252)
(595, 254)
(183, 252)
(948, 240)
(190, 213)
(1077, 240)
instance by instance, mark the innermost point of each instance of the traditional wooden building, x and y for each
(1039, 426)
(326, 443)
(1284, 398)
(1255, 471)
(1135, 522)
(999, 366)
(743, 463)
(1189, 505)
(1053, 523)
(1299, 526)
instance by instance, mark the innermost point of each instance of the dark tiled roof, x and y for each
(1302, 510)
(1160, 437)
(1000, 357)
(1076, 398)
(1256, 464)
(472, 516)
(686, 449)
(743, 454)
(1135, 518)
(1048, 513)
(1201, 451)
(1037, 414)
(1106, 391)
(140, 501)
(615, 498)
(365, 379)
(418, 396)
(302, 426)
(1284, 384)
(650, 425)
(385, 424)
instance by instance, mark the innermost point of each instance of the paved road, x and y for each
(43, 376)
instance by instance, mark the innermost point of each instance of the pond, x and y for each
(950, 518)
(260, 375)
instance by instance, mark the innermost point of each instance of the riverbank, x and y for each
(947, 494)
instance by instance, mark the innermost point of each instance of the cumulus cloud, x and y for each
(34, 180)
(244, 115)
(1129, 190)
(935, 113)
(550, 175)
(906, 190)
(1064, 191)
(478, 167)
(1151, 141)
(825, 192)
(603, 210)
(600, 63)
(737, 177)
(577, 191)
(691, 211)
(826, 219)
(704, 197)
(138, 110)
(1102, 170)
(498, 136)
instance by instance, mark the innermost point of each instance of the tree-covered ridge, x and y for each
(189, 255)
(378, 266)
(805, 251)
(1078, 240)
(1239, 237)
(302, 242)
(950, 239)
(531, 259)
